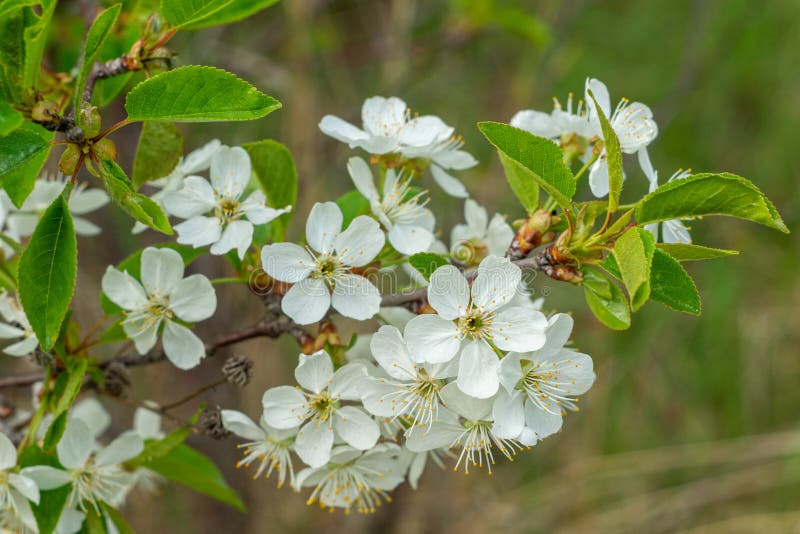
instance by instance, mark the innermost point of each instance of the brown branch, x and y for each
(101, 71)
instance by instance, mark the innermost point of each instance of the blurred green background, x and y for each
(693, 422)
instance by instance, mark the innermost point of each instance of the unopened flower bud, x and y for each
(105, 149)
(89, 120)
(69, 159)
(44, 111)
(116, 379)
(210, 423)
(238, 370)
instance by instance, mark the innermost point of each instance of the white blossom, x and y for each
(194, 162)
(354, 479)
(322, 273)
(538, 386)
(161, 297)
(16, 326)
(466, 427)
(474, 321)
(408, 223)
(17, 491)
(317, 408)
(479, 237)
(388, 128)
(230, 225)
(557, 123)
(673, 230)
(268, 448)
(632, 122)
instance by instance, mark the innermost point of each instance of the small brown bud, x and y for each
(44, 111)
(69, 159)
(238, 370)
(210, 423)
(89, 120)
(116, 379)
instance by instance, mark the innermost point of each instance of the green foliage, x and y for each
(232, 12)
(538, 155)
(158, 152)
(427, 262)
(140, 207)
(690, 252)
(19, 181)
(194, 470)
(10, 118)
(352, 205)
(51, 502)
(522, 182)
(277, 175)
(182, 13)
(197, 94)
(709, 194)
(613, 158)
(19, 148)
(24, 25)
(672, 286)
(116, 518)
(158, 448)
(47, 272)
(633, 252)
(606, 300)
(96, 36)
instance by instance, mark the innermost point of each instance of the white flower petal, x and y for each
(356, 428)
(559, 328)
(193, 299)
(355, 297)
(323, 225)
(409, 239)
(600, 92)
(121, 450)
(383, 116)
(200, 159)
(510, 371)
(8, 453)
(46, 477)
(496, 283)
(389, 350)
(230, 171)
(314, 372)
(424, 131)
(195, 198)
(147, 423)
(598, 176)
(518, 328)
(508, 414)
(476, 218)
(342, 131)
(84, 227)
(675, 232)
(91, 412)
(284, 407)
(241, 425)
(440, 435)
(457, 160)
(10, 332)
(199, 231)
(469, 407)
(499, 235)
(237, 235)
(431, 338)
(362, 177)
(143, 331)
(542, 423)
(75, 445)
(347, 380)
(448, 292)
(307, 301)
(537, 123)
(450, 184)
(162, 268)
(22, 348)
(286, 262)
(313, 444)
(182, 346)
(256, 210)
(477, 370)
(83, 201)
(123, 290)
(360, 243)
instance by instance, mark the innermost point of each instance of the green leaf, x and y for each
(233, 12)
(277, 175)
(197, 94)
(95, 37)
(194, 470)
(181, 13)
(19, 181)
(19, 148)
(709, 194)
(352, 205)
(522, 182)
(55, 431)
(158, 152)
(115, 517)
(37, 27)
(633, 252)
(613, 158)
(140, 207)
(114, 333)
(47, 271)
(158, 448)
(689, 252)
(132, 265)
(427, 262)
(540, 156)
(10, 118)
(606, 300)
(72, 387)
(12, 52)
(51, 502)
(672, 286)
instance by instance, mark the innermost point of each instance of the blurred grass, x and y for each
(693, 422)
